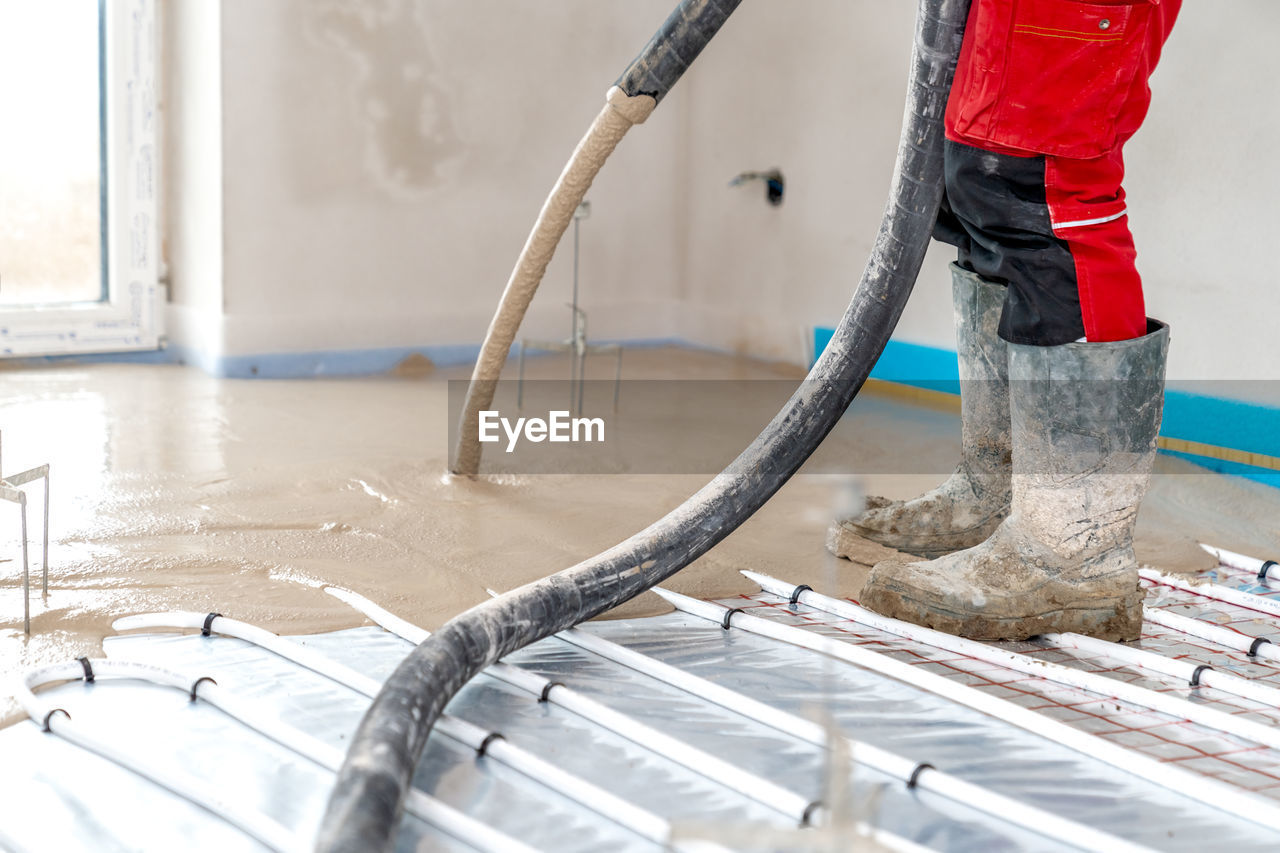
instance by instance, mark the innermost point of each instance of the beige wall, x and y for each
(191, 199)
(1203, 180)
(816, 89)
(379, 174)
(384, 161)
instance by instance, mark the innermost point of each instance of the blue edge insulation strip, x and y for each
(1215, 421)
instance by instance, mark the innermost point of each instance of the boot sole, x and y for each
(842, 541)
(1114, 618)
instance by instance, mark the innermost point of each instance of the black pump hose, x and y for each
(366, 801)
(674, 47)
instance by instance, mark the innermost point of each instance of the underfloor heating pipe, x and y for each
(1164, 703)
(379, 766)
(1260, 568)
(734, 777)
(917, 775)
(1262, 648)
(1189, 672)
(1227, 798)
(490, 744)
(56, 720)
(1217, 592)
(800, 810)
(467, 829)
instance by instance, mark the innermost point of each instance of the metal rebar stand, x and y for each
(576, 344)
(10, 491)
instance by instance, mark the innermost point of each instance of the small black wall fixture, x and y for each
(774, 184)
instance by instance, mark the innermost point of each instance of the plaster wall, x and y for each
(348, 175)
(191, 144)
(389, 157)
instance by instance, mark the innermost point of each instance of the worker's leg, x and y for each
(1087, 213)
(1032, 264)
(1084, 423)
(1044, 98)
(1085, 391)
(1069, 265)
(966, 508)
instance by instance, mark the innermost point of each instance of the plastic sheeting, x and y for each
(53, 796)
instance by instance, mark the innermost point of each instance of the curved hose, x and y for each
(365, 803)
(636, 94)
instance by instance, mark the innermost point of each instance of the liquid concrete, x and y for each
(174, 490)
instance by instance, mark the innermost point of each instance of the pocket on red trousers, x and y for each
(1049, 76)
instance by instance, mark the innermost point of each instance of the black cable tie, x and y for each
(1195, 675)
(488, 739)
(546, 689)
(208, 624)
(195, 685)
(728, 614)
(1266, 567)
(914, 779)
(88, 670)
(795, 593)
(806, 819)
(1257, 644)
(49, 716)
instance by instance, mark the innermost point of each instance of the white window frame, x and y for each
(131, 316)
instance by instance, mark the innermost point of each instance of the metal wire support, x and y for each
(576, 344)
(10, 491)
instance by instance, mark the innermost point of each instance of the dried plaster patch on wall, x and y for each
(401, 106)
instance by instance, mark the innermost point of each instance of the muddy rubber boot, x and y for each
(1085, 419)
(966, 508)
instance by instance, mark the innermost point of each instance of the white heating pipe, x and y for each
(1165, 703)
(1258, 647)
(1243, 561)
(1185, 671)
(433, 811)
(1261, 648)
(722, 772)
(608, 805)
(56, 720)
(1260, 603)
(1228, 798)
(927, 778)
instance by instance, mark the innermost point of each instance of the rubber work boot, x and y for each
(1085, 418)
(966, 508)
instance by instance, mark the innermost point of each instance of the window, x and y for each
(78, 174)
